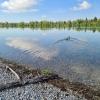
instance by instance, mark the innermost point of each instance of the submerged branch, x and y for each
(69, 39)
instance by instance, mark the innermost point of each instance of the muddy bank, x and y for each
(46, 82)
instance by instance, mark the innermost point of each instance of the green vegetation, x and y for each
(79, 24)
(46, 72)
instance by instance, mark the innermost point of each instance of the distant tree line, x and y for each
(80, 23)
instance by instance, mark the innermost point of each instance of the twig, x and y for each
(7, 67)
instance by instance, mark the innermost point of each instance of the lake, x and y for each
(75, 55)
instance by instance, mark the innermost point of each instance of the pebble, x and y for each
(41, 91)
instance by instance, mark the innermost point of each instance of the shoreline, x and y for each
(77, 88)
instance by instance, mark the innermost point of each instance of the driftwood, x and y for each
(27, 82)
(17, 76)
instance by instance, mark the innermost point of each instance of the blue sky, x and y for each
(28, 10)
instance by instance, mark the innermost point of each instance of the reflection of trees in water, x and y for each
(85, 29)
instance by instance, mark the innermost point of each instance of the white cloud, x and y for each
(82, 6)
(18, 5)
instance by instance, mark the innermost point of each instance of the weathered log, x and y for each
(17, 76)
(27, 82)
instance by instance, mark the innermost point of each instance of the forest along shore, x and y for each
(24, 82)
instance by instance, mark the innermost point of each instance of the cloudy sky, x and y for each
(27, 10)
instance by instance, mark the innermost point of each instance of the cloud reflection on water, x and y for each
(34, 48)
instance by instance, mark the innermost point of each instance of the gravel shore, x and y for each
(5, 75)
(39, 91)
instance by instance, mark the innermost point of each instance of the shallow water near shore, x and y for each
(75, 55)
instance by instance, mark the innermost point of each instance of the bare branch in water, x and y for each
(69, 39)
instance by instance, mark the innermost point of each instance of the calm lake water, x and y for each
(74, 55)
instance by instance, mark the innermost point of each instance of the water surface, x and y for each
(72, 54)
